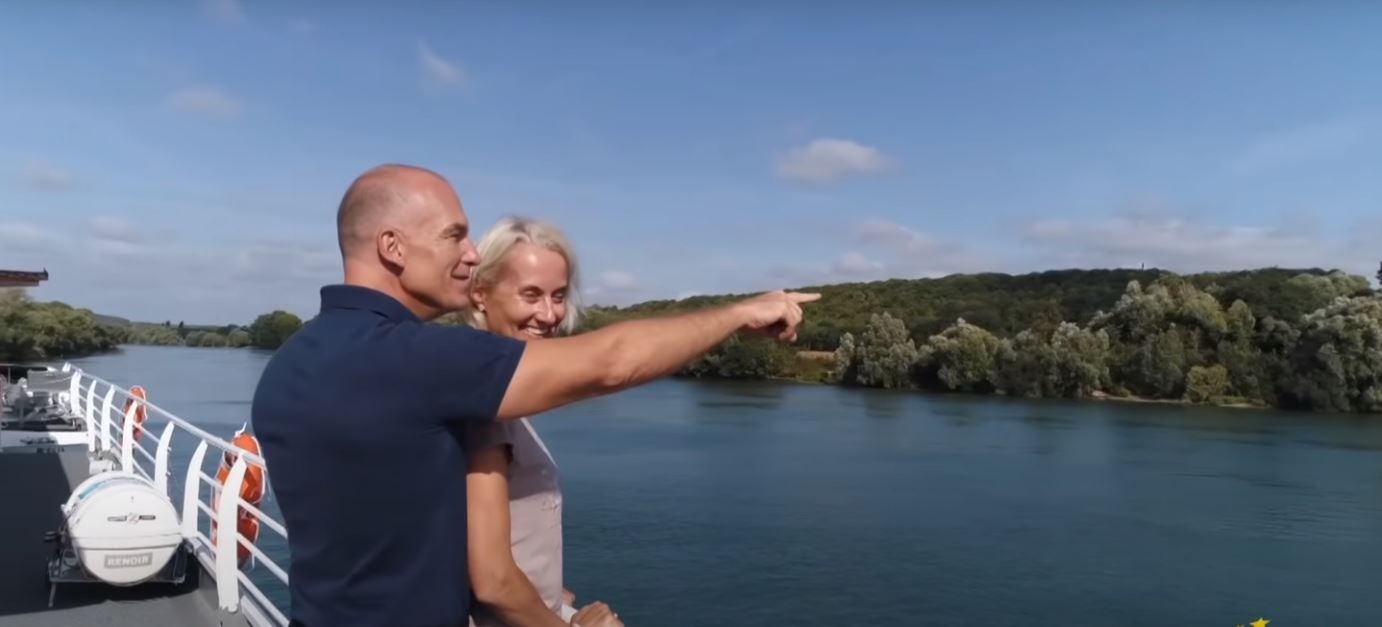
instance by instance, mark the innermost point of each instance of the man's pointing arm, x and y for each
(556, 372)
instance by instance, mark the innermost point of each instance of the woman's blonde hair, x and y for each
(494, 247)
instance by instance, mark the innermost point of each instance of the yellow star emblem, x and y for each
(1260, 622)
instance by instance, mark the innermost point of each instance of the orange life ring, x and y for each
(251, 490)
(141, 412)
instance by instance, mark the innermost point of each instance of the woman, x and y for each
(524, 288)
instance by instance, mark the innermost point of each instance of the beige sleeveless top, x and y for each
(534, 509)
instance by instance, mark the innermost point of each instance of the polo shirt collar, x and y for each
(343, 296)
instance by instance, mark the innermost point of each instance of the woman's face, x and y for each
(527, 299)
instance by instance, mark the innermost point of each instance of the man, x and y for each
(359, 412)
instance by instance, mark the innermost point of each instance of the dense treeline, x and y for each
(167, 334)
(1004, 304)
(1169, 340)
(33, 331)
(1290, 338)
(269, 330)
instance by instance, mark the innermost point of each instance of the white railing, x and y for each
(111, 437)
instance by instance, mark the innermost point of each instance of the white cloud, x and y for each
(120, 251)
(225, 11)
(1186, 245)
(269, 263)
(110, 229)
(45, 176)
(857, 265)
(615, 287)
(207, 99)
(1043, 229)
(828, 159)
(113, 266)
(853, 267)
(894, 235)
(436, 68)
(24, 237)
(617, 280)
(900, 251)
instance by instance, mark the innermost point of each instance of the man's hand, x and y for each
(775, 314)
(596, 614)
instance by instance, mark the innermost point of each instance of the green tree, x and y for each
(1247, 367)
(1305, 292)
(1159, 333)
(31, 330)
(238, 338)
(1337, 361)
(157, 335)
(885, 353)
(1241, 325)
(206, 339)
(1241, 356)
(271, 330)
(844, 361)
(1081, 359)
(963, 356)
(1157, 368)
(1071, 363)
(741, 358)
(1025, 366)
(1203, 384)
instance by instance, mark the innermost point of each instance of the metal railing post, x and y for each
(165, 442)
(191, 488)
(89, 407)
(127, 438)
(227, 542)
(105, 418)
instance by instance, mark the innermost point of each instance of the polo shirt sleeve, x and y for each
(466, 371)
(482, 435)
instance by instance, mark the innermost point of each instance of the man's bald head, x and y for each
(402, 231)
(387, 193)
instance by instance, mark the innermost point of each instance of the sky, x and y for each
(184, 160)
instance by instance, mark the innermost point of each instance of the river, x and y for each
(756, 504)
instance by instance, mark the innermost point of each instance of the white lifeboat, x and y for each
(123, 530)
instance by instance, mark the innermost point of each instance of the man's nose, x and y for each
(469, 254)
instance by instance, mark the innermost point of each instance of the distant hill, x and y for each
(1002, 303)
(111, 321)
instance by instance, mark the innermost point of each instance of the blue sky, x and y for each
(183, 161)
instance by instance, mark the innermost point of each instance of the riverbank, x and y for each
(1100, 395)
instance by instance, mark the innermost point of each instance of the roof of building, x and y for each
(23, 275)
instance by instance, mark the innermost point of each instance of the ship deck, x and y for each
(32, 488)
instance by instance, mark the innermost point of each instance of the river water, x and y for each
(694, 503)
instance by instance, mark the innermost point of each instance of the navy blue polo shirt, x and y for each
(360, 415)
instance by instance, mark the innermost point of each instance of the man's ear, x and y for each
(391, 247)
